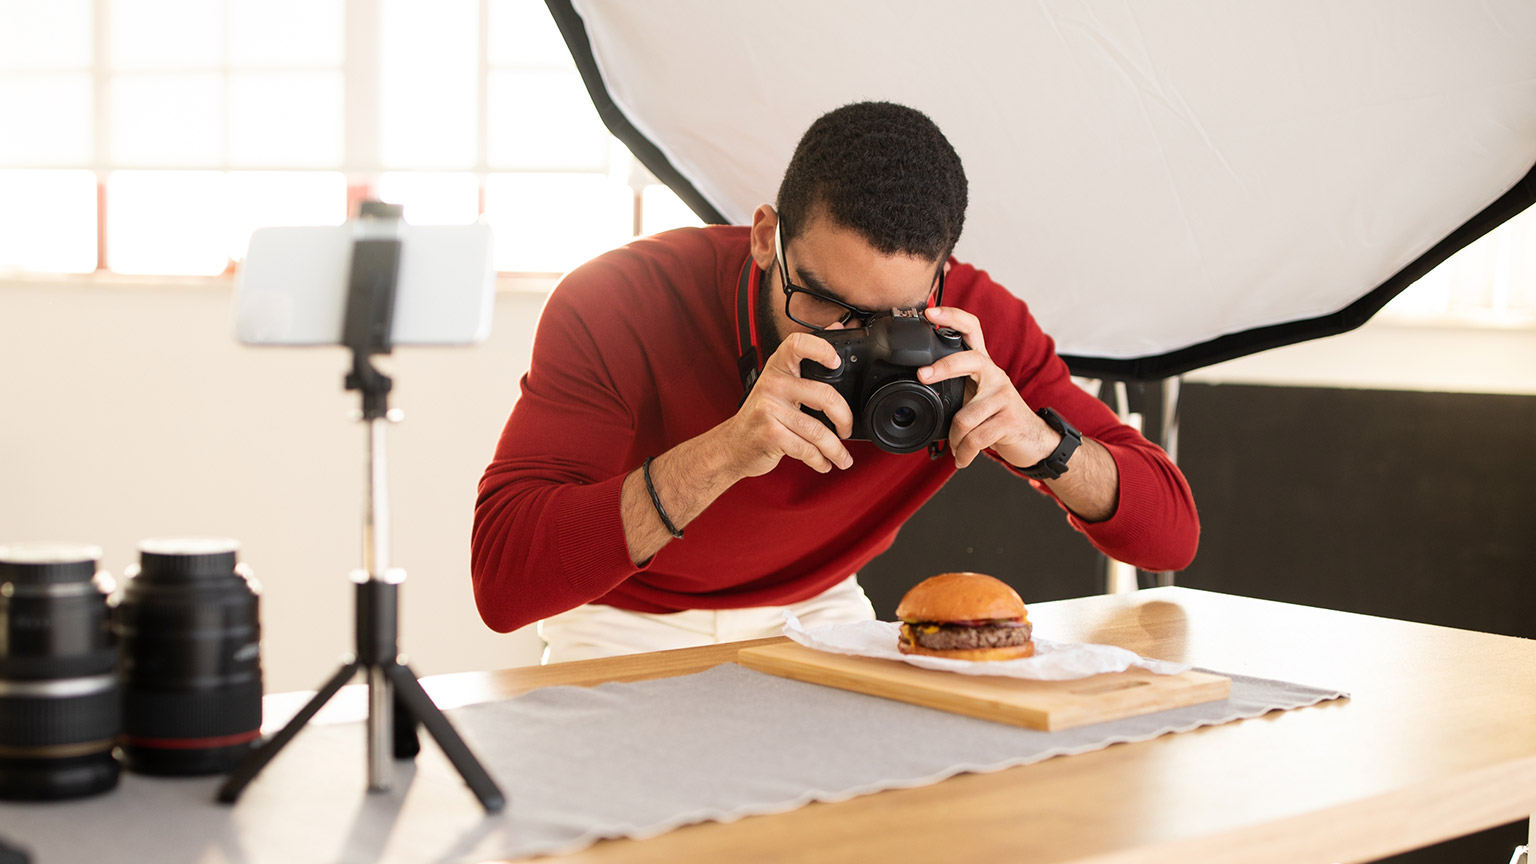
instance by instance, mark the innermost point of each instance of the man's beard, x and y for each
(768, 335)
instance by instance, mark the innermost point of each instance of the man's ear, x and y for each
(764, 221)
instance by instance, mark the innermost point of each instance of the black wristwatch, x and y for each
(1055, 465)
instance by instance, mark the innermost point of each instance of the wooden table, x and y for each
(1437, 741)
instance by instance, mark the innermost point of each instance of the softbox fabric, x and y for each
(1167, 184)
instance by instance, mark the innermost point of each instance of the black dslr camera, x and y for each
(878, 377)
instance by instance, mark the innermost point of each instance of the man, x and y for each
(658, 485)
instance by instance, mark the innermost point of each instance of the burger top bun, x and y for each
(960, 597)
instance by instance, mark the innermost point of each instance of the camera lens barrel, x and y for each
(903, 416)
(60, 698)
(188, 620)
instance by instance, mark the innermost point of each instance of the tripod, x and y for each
(396, 700)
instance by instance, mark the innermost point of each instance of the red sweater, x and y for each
(636, 353)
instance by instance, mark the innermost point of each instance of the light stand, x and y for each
(396, 700)
(1157, 402)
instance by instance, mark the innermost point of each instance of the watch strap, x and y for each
(1055, 464)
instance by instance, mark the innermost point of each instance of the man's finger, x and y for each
(802, 346)
(966, 363)
(823, 397)
(967, 324)
(822, 439)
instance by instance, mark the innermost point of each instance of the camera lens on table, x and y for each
(189, 624)
(60, 703)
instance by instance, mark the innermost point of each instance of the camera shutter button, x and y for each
(950, 337)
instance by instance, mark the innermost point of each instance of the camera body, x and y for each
(878, 378)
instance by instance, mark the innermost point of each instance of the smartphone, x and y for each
(293, 285)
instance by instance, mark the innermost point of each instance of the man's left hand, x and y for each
(994, 414)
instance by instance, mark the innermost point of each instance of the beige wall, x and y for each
(128, 411)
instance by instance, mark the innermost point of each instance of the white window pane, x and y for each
(662, 210)
(169, 120)
(1428, 297)
(170, 222)
(286, 119)
(285, 32)
(48, 221)
(543, 120)
(428, 84)
(549, 223)
(258, 199)
(433, 198)
(1493, 278)
(523, 33)
(166, 34)
(1521, 277)
(45, 34)
(47, 119)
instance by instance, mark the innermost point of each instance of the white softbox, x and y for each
(1167, 184)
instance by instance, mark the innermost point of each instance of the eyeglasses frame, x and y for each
(851, 312)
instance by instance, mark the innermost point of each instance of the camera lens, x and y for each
(191, 660)
(904, 416)
(60, 703)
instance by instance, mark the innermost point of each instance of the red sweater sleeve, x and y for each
(613, 377)
(1155, 525)
(547, 533)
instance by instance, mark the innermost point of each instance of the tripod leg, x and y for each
(425, 710)
(407, 743)
(257, 759)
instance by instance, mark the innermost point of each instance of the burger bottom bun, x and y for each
(1007, 652)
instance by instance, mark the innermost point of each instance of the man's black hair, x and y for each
(884, 170)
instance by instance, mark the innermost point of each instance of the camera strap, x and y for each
(747, 364)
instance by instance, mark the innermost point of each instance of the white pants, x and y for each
(592, 631)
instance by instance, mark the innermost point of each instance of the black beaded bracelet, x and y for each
(661, 511)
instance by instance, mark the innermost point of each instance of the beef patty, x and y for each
(953, 637)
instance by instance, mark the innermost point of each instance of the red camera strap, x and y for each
(748, 364)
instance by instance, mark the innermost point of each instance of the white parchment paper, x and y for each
(1053, 661)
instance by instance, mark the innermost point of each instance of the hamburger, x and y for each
(964, 616)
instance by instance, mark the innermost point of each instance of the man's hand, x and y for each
(770, 425)
(995, 416)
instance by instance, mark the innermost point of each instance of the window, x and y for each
(144, 146)
(1492, 279)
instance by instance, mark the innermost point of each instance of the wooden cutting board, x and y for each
(1047, 705)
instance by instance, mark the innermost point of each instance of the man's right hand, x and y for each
(770, 425)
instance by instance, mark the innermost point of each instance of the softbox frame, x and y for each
(1167, 185)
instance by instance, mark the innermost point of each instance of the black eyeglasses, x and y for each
(816, 310)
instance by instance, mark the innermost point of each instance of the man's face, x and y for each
(836, 262)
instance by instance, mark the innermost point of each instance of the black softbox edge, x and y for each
(574, 30)
(1245, 342)
(1148, 368)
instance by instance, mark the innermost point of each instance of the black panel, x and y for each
(988, 520)
(1420, 506)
